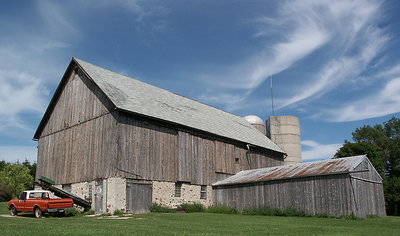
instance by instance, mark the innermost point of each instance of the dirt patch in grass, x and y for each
(6, 216)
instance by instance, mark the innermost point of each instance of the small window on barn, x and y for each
(203, 192)
(236, 160)
(90, 192)
(178, 189)
(66, 187)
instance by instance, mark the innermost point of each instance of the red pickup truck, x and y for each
(39, 202)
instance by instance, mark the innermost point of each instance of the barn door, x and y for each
(98, 197)
(138, 197)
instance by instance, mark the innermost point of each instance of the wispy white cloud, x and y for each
(18, 153)
(357, 43)
(312, 150)
(134, 6)
(393, 71)
(28, 64)
(20, 94)
(304, 40)
(384, 102)
(55, 19)
(344, 33)
(148, 16)
(302, 33)
(340, 70)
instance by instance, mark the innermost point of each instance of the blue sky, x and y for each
(334, 64)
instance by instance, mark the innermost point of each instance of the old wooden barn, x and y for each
(124, 144)
(336, 187)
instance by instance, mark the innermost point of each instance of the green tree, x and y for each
(15, 178)
(2, 164)
(355, 149)
(381, 144)
(32, 168)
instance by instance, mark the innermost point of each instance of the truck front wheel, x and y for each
(13, 211)
(38, 212)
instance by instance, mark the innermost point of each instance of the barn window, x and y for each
(203, 192)
(236, 160)
(178, 189)
(66, 187)
(90, 192)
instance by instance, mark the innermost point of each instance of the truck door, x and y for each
(21, 202)
(30, 202)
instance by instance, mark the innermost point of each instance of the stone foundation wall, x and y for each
(164, 194)
(114, 194)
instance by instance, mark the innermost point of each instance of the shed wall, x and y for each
(330, 194)
(368, 190)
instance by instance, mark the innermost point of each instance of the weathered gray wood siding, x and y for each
(155, 151)
(368, 191)
(145, 150)
(85, 138)
(78, 142)
(81, 100)
(326, 194)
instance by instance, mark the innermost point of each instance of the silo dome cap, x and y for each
(254, 120)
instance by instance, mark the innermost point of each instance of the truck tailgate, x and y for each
(60, 203)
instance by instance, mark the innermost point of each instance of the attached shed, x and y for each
(336, 187)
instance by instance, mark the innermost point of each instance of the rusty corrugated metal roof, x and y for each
(332, 166)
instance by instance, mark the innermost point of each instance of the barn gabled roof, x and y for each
(133, 96)
(327, 167)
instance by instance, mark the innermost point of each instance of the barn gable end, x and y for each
(77, 135)
(366, 186)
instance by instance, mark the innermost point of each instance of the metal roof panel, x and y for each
(332, 166)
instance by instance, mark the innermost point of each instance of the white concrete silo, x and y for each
(285, 132)
(256, 122)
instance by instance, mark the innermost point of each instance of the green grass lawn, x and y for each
(3, 208)
(196, 224)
